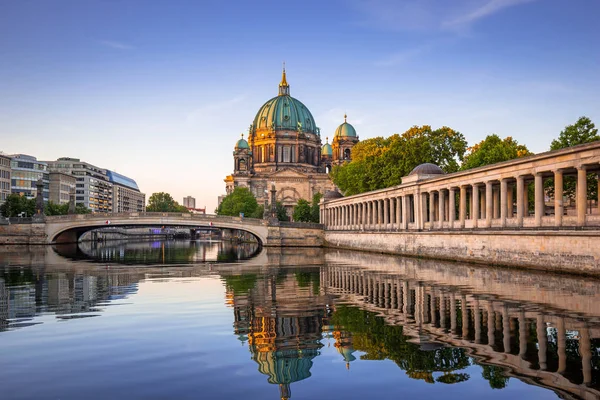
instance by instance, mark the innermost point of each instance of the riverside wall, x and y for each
(560, 251)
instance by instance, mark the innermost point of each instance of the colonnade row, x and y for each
(495, 203)
(432, 305)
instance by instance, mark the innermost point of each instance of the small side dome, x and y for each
(242, 144)
(332, 194)
(427, 169)
(326, 150)
(345, 130)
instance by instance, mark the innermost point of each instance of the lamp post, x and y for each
(273, 201)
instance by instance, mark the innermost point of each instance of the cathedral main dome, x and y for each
(284, 112)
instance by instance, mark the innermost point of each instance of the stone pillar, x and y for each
(423, 213)
(386, 213)
(503, 202)
(562, 345)
(399, 212)
(477, 321)
(451, 207)
(475, 205)
(491, 327)
(509, 201)
(431, 209)
(405, 210)
(522, 335)
(586, 355)
(363, 222)
(432, 310)
(581, 201)
(489, 209)
(392, 217)
(452, 313)
(520, 201)
(380, 220)
(442, 310)
(463, 206)
(505, 329)
(465, 317)
(542, 341)
(558, 197)
(539, 198)
(442, 206)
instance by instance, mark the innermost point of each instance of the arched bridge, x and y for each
(69, 228)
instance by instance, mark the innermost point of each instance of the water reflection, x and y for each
(440, 323)
(160, 252)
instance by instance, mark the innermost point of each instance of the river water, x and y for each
(212, 320)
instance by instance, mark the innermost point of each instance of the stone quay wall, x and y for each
(560, 251)
(28, 233)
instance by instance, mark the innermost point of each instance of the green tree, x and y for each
(314, 208)
(583, 131)
(492, 150)
(382, 162)
(239, 201)
(302, 211)
(15, 204)
(56, 209)
(282, 214)
(163, 202)
(495, 376)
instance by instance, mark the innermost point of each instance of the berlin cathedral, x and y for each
(284, 149)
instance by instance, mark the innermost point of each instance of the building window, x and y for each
(286, 153)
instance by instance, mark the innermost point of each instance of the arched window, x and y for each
(242, 165)
(347, 154)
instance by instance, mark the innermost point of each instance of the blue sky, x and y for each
(161, 90)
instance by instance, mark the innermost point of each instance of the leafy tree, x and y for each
(63, 209)
(163, 202)
(282, 214)
(495, 376)
(16, 204)
(302, 211)
(382, 162)
(314, 208)
(492, 150)
(241, 200)
(583, 131)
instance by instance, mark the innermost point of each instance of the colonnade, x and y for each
(495, 323)
(503, 202)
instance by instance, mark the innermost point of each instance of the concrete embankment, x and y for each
(561, 251)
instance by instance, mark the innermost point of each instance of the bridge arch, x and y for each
(69, 228)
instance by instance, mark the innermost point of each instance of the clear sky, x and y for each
(161, 90)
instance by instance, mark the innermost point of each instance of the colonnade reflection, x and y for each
(538, 344)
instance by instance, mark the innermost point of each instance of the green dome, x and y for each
(285, 112)
(345, 130)
(241, 144)
(326, 150)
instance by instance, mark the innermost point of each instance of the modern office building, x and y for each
(61, 186)
(189, 202)
(126, 195)
(4, 177)
(93, 189)
(25, 172)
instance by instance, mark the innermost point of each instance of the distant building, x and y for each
(189, 202)
(126, 195)
(4, 177)
(93, 189)
(25, 172)
(61, 186)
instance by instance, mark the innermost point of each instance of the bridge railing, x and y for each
(137, 215)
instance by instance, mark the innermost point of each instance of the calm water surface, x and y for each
(170, 320)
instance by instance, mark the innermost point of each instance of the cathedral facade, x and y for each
(284, 149)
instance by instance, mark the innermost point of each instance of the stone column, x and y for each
(477, 321)
(442, 206)
(542, 341)
(386, 213)
(503, 202)
(451, 207)
(505, 329)
(581, 195)
(520, 201)
(392, 217)
(405, 210)
(465, 317)
(399, 212)
(539, 199)
(363, 222)
(442, 310)
(522, 335)
(496, 203)
(463, 206)
(475, 205)
(562, 345)
(431, 209)
(509, 201)
(558, 197)
(423, 210)
(452, 313)
(491, 327)
(586, 355)
(489, 209)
